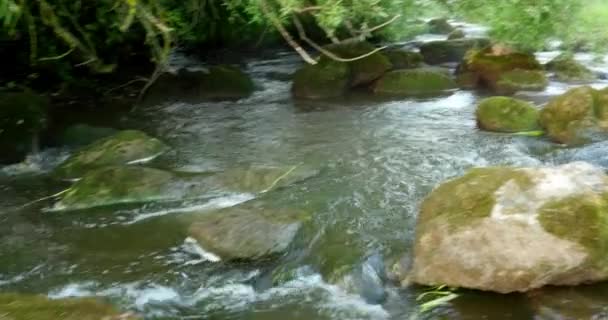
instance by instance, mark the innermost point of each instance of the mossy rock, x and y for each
(34, 307)
(442, 51)
(576, 117)
(120, 184)
(508, 229)
(440, 26)
(402, 59)
(81, 134)
(327, 79)
(521, 80)
(569, 70)
(503, 71)
(456, 34)
(414, 82)
(22, 116)
(251, 231)
(362, 71)
(221, 82)
(504, 114)
(124, 147)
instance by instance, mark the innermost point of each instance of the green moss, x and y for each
(504, 114)
(31, 307)
(422, 81)
(519, 79)
(464, 200)
(567, 69)
(327, 79)
(362, 71)
(401, 59)
(119, 149)
(113, 185)
(582, 219)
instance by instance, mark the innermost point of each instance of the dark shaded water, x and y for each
(377, 160)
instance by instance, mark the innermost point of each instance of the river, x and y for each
(377, 159)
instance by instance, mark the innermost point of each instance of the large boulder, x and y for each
(327, 79)
(417, 82)
(403, 59)
(220, 82)
(120, 184)
(22, 116)
(362, 71)
(578, 116)
(502, 71)
(124, 147)
(442, 51)
(248, 232)
(504, 114)
(440, 26)
(34, 307)
(569, 70)
(508, 229)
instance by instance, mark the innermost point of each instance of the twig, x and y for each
(138, 79)
(45, 198)
(61, 56)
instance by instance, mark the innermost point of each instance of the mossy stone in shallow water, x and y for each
(403, 59)
(32, 307)
(567, 69)
(327, 79)
(504, 114)
(362, 71)
(521, 80)
(123, 148)
(416, 82)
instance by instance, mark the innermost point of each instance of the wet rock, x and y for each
(569, 70)
(22, 116)
(362, 71)
(327, 79)
(368, 279)
(442, 51)
(504, 114)
(33, 307)
(125, 184)
(416, 82)
(220, 82)
(578, 116)
(456, 34)
(502, 70)
(79, 135)
(248, 232)
(509, 229)
(440, 26)
(262, 179)
(122, 148)
(402, 59)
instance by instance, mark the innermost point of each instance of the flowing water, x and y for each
(377, 159)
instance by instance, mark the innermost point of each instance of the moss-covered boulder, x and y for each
(403, 59)
(442, 51)
(414, 82)
(567, 69)
(248, 232)
(33, 307)
(124, 147)
(327, 79)
(508, 229)
(504, 114)
(502, 71)
(578, 116)
(22, 116)
(81, 134)
(440, 26)
(222, 82)
(456, 34)
(256, 179)
(120, 184)
(362, 71)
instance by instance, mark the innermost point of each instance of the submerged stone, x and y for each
(124, 147)
(443, 51)
(417, 82)
(504, 114)
(567, 69)
(22, 116)
(34, 307)
(578, 116)
(248, 232)
(262, 179)
(327, 79)
(508, 229)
